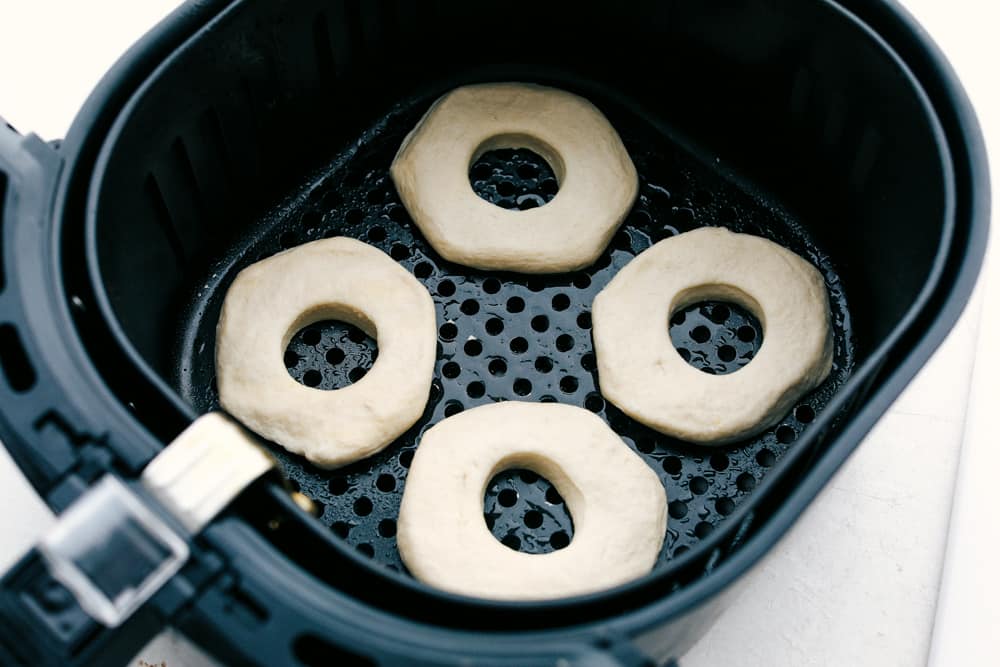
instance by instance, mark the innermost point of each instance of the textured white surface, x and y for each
(855, 582)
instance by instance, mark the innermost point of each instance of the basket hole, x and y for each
(746, 333)
(406, 458)
(399, 252)
(497, 367)
(311, 336)
(594, 402)
(785, 434)
(398, 214)
(535, 284)
(473, 347)
(672, 465)
(745, 482)
(510, 541)
(376, 234)
(766, 458)
(515, 304)
(470, 307)
(366, 549)
(452, 408)
(354, 216)
(569, 384)
(560, 302)
(715, 337)
(491, 285)
(678, 509)
(804, 414)
(719, 461)
(588, 362)
(543, 364)
(522, 387)
(540, 323)
(338, 486)
(363, 506)
(387, 528)
(446, 288)
(341, 529)
(385, 483)
(698, 485)
(494, 326)
(564, 343)
(559, 540)
(703, 529)
(504, 173)
(725, 506)
(507, 497)
(423, 270)
(525, 512)
(475, 389)
(448, 331)
(451, 370)
(519, 345)
(316, 355)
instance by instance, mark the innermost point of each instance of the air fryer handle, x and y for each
(41, 623)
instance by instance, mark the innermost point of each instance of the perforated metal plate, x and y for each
(506, 337)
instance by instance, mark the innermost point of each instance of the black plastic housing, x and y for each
(843, 113)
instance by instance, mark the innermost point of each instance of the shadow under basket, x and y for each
(237, 130)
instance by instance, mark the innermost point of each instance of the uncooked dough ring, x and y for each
(642, 373)
(617, 502)
(597, 180)
(335, 279)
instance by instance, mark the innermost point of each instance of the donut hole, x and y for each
(525, 512)
(508, 173)
(716, 337)
(330, 354)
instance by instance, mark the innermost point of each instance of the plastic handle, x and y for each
(41, 624)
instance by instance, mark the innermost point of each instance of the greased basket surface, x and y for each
(510, 337)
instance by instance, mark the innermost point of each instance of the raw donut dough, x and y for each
(642, 373)
(617, 502)
(334, 279)
(597, 180)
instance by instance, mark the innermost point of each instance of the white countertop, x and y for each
(856, 581)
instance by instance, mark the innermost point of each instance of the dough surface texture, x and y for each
(642, 373)
(333, 279)
(597, 180)
(617, 503)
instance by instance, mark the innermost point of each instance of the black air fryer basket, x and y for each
(237, 129)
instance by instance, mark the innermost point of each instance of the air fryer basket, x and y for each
(246, 127)
(179, 218)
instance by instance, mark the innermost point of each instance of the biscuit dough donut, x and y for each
(334, 279)
(617, 502)
(597, 180)
(642, 373)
